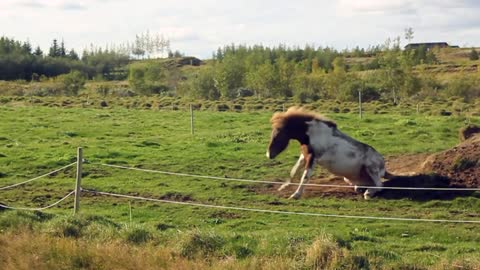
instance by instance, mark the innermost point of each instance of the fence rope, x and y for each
(279, 211)
(38, 177)
(281, 183)
(40, 208)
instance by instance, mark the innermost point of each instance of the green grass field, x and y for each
(35, 140)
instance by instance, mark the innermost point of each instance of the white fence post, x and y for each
(78, 182)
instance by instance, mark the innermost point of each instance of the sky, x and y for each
(199, 27)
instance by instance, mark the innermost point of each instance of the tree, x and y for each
(54, 49)
(38, 51)
(285, 76)
(391, 71)
(409, 34)
(203, 85)
(336, 78)
(138, 49)
(264, 80)
(229, 76)
(73, 55)
(62, 51)
(27, 47)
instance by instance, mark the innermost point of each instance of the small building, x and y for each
(428, 45)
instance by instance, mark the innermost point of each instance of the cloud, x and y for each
(72, 6)
(376, 7)
(180, 34)
(32, 4)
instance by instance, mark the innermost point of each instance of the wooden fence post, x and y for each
(78, 182)
(191, 119)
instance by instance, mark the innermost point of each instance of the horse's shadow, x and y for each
(423, 181)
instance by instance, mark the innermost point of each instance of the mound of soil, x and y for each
(461, 164)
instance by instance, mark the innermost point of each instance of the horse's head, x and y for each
(285, 126)
(278, 142)
(292, 124)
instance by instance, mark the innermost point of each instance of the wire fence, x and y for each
(33, 179)
(38, 208)
(77, 191)
(38, 177)
(281, 183)
(279, 211)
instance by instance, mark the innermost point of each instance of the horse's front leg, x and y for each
(293, 172)
(307, 173)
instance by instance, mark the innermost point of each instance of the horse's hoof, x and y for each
(358, 189)
(295, 196)
(367, 196)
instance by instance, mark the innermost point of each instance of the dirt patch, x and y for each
(311, 191)
(225, 215)
(176, 196)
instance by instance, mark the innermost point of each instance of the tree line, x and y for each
(306, 74)
(309, 74)
(385, 72)
(18, 61)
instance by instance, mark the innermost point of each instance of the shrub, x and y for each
(324, 253)
(202, 244)
(148, 78)
(137, 236)
(72, 82)
(473, 55)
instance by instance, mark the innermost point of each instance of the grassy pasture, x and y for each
(35, 140)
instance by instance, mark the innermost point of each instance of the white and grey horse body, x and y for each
(341, 155)
(323, 144)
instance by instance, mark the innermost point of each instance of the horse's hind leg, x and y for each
(374, 174)
(355, 187)
(293, 172)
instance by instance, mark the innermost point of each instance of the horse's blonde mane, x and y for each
(279, 119)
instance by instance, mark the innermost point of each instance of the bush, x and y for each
(473, 55)
(202, 244)
(464, 86)
(137, 236)
(324, 253)
(148, 78)
(72, 82)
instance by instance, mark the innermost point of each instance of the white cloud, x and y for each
(375, 6)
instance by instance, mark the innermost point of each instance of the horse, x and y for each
(323, 143)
